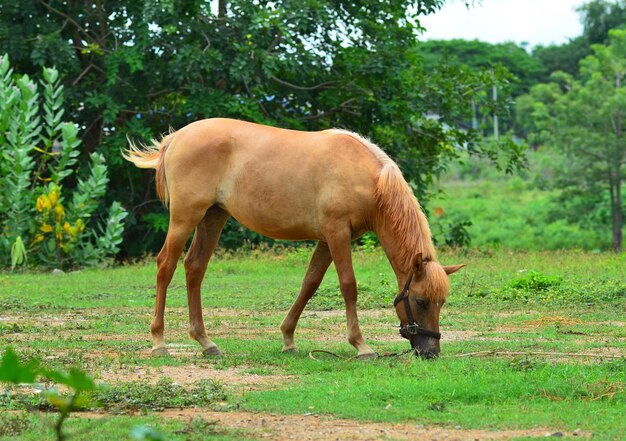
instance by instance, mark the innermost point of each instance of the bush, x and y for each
(44, 222)
(535, 281)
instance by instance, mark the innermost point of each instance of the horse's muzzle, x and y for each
(426, 355)
(425, 347)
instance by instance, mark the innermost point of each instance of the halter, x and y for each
(412, 328)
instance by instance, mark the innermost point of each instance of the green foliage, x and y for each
(302, 64)
(519, 213)
(164, 394)
(38, 154)
(452, 235)
(18, 252)
(598, 18)
(12, 371)
(535, 281)
(480, 55)
(537, 287)
(14, 424)
(564, 57)
(585, 119)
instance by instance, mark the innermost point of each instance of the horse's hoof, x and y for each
(290, 350)
(213, 351)
(160, 352)
(367, 356)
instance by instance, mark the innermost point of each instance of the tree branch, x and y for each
(294, 86)
(327, 112)
(67, 17)
(251, 95)
(275, 42)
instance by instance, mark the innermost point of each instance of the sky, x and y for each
(495, 21)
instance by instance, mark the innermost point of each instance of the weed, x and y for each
(199, 429)
(438, 406)
(535, 281)
(522, 364)
(140, 395)
(13, 423)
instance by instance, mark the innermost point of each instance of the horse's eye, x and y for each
(421, 303)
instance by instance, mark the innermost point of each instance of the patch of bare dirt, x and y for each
(311, 427)
(189, 374)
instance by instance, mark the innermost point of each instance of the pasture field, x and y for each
(98, 320)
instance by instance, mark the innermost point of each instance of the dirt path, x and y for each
(322, 428)
(235, 378)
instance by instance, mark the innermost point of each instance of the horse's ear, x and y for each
(418, 266)
(451, 269)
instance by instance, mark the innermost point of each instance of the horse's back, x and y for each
(282, 183)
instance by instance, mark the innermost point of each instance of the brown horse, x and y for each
(330, 186)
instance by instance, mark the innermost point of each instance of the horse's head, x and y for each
(418, 305)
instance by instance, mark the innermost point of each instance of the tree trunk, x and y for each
(617, 215)
(221, 9)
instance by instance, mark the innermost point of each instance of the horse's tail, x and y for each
(152, 156)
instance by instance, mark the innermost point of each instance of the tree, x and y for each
(137, 68)
(527, 70)
(474, 56)
(598, 17)
(586, 118)
(601, 16)
(564, 57)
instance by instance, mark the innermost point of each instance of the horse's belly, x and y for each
(271, 224)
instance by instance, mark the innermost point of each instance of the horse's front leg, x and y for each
(339, 243)
(320, 261)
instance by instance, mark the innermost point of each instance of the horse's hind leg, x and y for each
(204, 242)
(317, 268)
(178, 232)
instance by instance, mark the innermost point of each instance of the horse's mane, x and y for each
(398, 207)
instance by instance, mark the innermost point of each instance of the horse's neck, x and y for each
(392, 246)
(400, 251)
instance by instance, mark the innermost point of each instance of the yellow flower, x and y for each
(59, 212)
(80, 225)
(46, 228)
(71, 231)
(43, 203)
(54, 196)
(38, 238)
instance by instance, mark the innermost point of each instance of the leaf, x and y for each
(18, 252)
(12, 371)
(76, 379)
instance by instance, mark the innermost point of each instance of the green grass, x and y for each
(521, 212)
(533, 301)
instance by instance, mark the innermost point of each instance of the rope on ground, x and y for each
(477, 354)
(322, 351)
(539, 353)
(383, 355)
